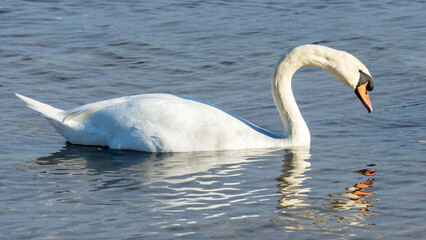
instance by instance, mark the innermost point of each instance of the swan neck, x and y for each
(338, 63)
(296, 129)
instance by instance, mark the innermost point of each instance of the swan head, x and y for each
(345, 67)
(356, 76)
(348, 70)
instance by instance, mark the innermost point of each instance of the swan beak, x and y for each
(362, 93)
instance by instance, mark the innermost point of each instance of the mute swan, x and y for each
(169, 123)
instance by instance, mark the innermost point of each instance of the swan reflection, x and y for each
(169, 169)
(158, 166)
(230, 185)
(292, 178)
(336, 212)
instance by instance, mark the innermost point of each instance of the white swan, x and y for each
(168, 123)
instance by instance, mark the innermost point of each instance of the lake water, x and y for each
(362, 178)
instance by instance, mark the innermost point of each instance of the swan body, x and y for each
(169, 123)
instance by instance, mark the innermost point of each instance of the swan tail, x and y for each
(73, 131)
(45, 110)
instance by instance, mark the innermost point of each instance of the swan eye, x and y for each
(365, 78)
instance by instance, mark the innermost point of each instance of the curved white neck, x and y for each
(296, 130)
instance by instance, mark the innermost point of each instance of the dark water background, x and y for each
(67, 53)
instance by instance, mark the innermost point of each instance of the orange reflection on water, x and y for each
(360, 191)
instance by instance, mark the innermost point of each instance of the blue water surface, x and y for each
(362, 177)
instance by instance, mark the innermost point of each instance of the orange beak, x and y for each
(362, 93)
